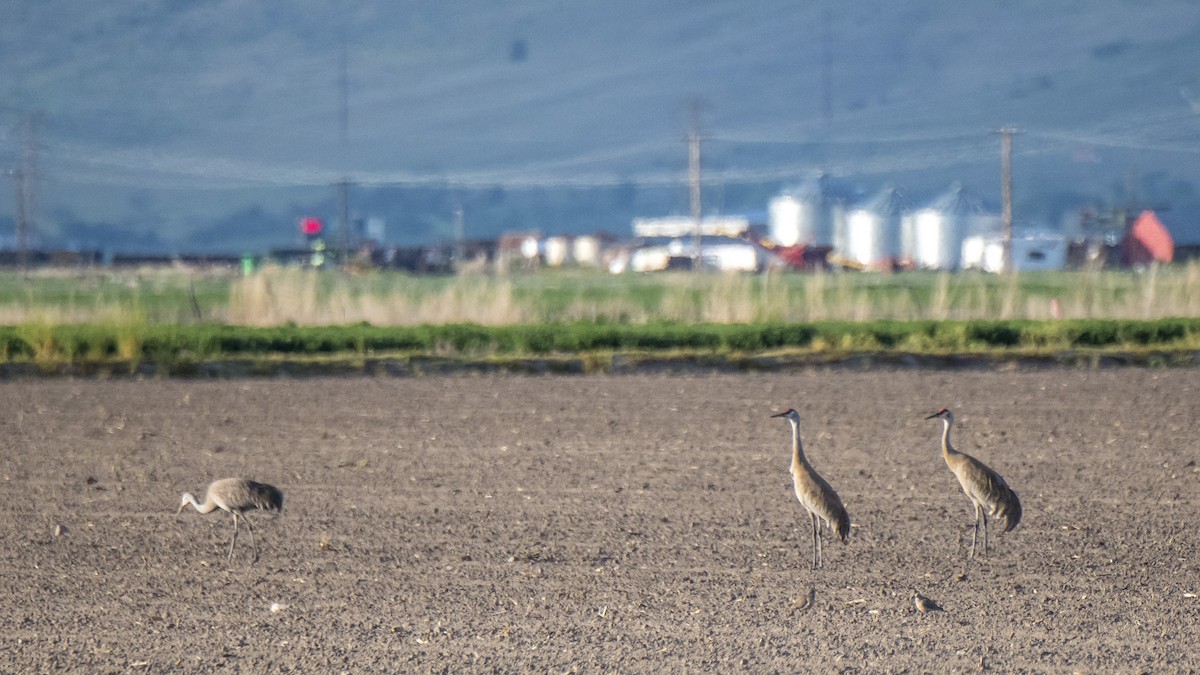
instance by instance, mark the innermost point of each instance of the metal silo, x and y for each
(809, 214)
(937, 231)
(783, 219)
(872, 238)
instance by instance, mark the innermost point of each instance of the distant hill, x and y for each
(214, 124)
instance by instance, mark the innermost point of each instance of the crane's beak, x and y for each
(782, 414)
(181, 508)
(936, 414)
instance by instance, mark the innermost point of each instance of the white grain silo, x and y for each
(872, 234)
(935, 234)
(783, 219)
(810, 214)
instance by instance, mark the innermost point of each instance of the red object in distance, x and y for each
(1148, 241)
(311, 226)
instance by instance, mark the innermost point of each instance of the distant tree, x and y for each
(75, 233)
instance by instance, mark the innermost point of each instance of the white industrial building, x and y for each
(1032, 251)
(680, 226)
(654, 254)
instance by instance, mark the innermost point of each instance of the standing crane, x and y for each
(236, 496)
(987, 490)
(815, 494)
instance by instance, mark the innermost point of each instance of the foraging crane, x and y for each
(814, 493)
(987, 490)
(236, 496)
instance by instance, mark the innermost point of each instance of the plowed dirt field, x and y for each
(599, 523)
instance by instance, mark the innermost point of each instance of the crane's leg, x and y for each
(233, 542)
(252, 542)
(974, 532)
(820, 547)
(816, 552)
(985, 534)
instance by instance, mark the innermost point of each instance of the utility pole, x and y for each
(343, 186)
(693, 140)
(826, 66)
(343, 202)
(459, 235)
(25, 184)
(344, 93)
(1006, 134)
(22, 224)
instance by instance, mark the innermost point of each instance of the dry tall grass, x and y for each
(304, 298)
(274, 297)
(13, 314)
(277, 296)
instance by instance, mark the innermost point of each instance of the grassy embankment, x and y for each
(176, 323)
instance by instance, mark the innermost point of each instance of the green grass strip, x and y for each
(58, 344)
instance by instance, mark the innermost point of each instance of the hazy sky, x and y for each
(180, 112)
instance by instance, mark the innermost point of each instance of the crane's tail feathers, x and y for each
(843, 526)
(1000, 501)
(266, 497)
(1007, 506)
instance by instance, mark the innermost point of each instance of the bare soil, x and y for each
(613, 523)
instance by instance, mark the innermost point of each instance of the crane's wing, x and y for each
(832, 511)
(990, 490)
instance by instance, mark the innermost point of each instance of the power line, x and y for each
(99, 165)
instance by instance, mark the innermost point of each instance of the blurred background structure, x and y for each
(423, 129)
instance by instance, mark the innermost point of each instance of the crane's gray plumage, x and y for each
(986, 488)
(815, 494)
(236, 496)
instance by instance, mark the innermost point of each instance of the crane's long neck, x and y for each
(798, 458)
(947, 449)
(206, 507)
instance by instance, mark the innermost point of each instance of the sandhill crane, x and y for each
(924, 604)
(814, 493)
(236, 496)
(987, 490)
